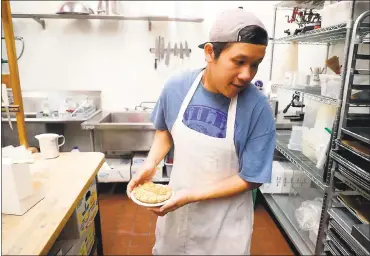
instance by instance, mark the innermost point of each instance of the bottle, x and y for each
(75, 149)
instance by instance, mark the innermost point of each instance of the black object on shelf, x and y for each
(361, 232)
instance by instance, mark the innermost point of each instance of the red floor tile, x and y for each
(129, 229)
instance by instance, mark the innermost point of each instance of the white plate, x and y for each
(132, 197)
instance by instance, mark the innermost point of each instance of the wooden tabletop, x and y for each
(65, 179)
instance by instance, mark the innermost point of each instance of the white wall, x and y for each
(114, 57)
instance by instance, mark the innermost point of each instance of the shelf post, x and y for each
(13, 82)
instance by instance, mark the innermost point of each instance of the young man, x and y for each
(223, 133)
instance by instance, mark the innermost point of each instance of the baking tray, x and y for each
(342, 247)
(332, 248)
(348, 239)
(347, 159)
(353, 149)
(354, 178)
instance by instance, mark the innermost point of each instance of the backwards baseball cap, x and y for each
(228, 24)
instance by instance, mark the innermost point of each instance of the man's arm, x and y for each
(228, 187)
(162, 143)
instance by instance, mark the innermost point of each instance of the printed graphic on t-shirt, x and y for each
(206, 120)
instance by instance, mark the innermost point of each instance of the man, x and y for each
(223, 133)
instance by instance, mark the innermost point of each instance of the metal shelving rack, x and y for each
(346, 162)
(40, 18)
(326, 36)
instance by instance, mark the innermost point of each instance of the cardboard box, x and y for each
(115, 170)
(83, 216)
(139, 159)
(84, 245)
(276, 180)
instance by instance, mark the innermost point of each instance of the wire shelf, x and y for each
(331, 34)
(298, 159)
(301, 4)
(321, 35)
(284, 207)
(310, 94)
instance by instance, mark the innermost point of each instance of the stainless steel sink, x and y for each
(122, 131)
(130, 120)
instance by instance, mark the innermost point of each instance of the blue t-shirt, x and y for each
(254, 135)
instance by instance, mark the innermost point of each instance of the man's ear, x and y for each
(208, 52)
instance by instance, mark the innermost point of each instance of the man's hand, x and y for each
(181, 198)
(145, 174)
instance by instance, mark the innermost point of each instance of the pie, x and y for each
(152, 193)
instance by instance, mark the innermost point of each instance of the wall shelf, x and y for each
(40, 18)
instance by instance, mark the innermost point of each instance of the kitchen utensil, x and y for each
(175, 50)
(49, 146)
(181, 51)
(75, 8)
(101, 7)
(156, 52)
(79, 107)
(161, 49)
(168, 53)
(17, 38)
(5, 101)
(333, 64)
(187, 50)
(315, 76)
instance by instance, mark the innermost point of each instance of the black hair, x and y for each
(250, 34)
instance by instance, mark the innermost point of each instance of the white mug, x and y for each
(49, 146)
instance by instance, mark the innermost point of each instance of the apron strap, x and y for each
(190, 94)
(231, 115)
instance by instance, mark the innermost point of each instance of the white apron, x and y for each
(216, 226)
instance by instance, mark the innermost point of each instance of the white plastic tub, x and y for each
(339, 12)
(330, 85)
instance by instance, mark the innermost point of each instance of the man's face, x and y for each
(235, 68)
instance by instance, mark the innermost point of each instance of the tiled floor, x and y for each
(128, 229)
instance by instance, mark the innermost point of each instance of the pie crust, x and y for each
(152, 193)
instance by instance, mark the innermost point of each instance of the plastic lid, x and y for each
(75, 147)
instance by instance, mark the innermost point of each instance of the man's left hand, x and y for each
(181, 198)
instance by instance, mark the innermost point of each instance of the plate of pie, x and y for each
(150, 194)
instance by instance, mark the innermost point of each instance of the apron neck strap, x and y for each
(190, 93)
(230, 127)
(231, 112)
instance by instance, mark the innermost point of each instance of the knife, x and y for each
(5, 100)
(156, 52)
(187, 50)
(167, 61)
(181, 51)
(161, 51)
(175, 50)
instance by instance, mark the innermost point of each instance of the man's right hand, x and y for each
(145, 174)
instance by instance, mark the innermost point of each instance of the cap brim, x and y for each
(202, 45)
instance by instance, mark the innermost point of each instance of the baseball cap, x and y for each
(228, 24)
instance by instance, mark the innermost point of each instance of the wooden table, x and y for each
(65, 180)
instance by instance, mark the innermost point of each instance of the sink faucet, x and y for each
(143, 107)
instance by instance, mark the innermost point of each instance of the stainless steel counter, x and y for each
(29, 119)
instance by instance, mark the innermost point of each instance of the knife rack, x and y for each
(12, 79)
(172, 50)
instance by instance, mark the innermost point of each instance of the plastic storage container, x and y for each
(295, 140)
(339, 12)
(330, 85)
